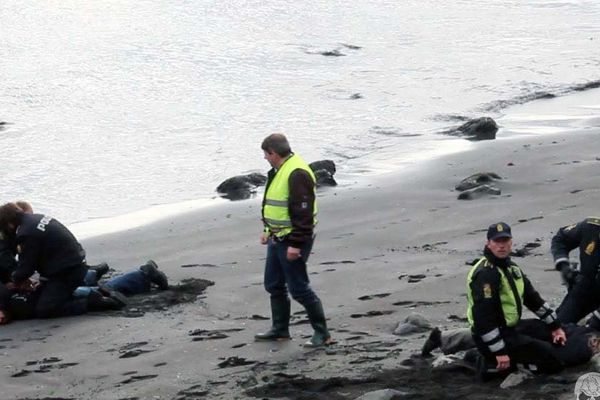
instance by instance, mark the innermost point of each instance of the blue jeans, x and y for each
(130, 283)
(282, 275)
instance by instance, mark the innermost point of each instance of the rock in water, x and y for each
(241, 187)
(477, 179)
(483, 128)
(324, 171)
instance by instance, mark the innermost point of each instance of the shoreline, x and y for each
(368, 240)
(537, 116)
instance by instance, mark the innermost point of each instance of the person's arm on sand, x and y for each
(300, 205)
(485, 288)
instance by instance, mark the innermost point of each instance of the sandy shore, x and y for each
(401, 224)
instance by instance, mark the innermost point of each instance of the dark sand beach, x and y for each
(198, 342)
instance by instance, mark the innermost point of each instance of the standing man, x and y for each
(497, 289)
(48, 247)
(289, 212)
(584, 296)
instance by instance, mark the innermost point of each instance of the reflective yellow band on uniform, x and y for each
(276, 203)
(278, 223)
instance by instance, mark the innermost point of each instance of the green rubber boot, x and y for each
(316, 316)
(280, 314)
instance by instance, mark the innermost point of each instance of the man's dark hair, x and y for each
(10, 213)
(276, 143)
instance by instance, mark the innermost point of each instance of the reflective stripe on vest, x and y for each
(511, 305)
(276, 213)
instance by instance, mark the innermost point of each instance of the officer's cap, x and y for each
(499, 230)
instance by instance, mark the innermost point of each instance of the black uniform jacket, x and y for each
(584, 235)
(46, 246)
(8, 263)
(300, 205)
(487, 308)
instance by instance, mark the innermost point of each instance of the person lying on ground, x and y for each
(138, 281)
(20, 302)
(582, 342)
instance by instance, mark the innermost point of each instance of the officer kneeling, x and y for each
(48, 247)
(497, 289)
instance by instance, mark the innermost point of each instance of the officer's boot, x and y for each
(316, 316)
(97, 302)
(280, 315)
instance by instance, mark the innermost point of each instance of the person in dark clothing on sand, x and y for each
(46, 246)
(289, 212)
(497, 290)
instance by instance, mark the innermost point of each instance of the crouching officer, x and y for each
(584, 296)
(497, 290)
(48, 247)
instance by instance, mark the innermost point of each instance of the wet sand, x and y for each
(398, 245)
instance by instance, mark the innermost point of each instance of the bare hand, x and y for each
(3, 318)
(503, 362)
(293, 253)
(559, 337)
(264, 238)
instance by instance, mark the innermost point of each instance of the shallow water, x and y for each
(116, 106)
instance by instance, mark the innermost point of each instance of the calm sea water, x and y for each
(115, 106)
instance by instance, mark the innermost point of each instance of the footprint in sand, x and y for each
(372, 296)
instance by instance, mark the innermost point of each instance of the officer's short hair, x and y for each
(277, 143)
(10, 213)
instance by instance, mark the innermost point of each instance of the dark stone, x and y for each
(476, 180)
(478, 192)
(241, 187)
(324, 171)
(483, 128)
(332, 53)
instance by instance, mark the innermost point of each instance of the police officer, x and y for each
(48, 247)
(289, 212)
(497, 290)
(584, 296)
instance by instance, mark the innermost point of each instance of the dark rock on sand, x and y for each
(185, 292)
(332, 53)
(413, 323)
(477, 179)
(478, 192)
(483, 128)
(241, 187)
(324, 171)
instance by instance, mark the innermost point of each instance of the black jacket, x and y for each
(584, 235)
(8, 263)
(488, 317)
(46, 246)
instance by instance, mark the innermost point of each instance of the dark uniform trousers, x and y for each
(54, 297)
(581, 300)
(528, 344)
